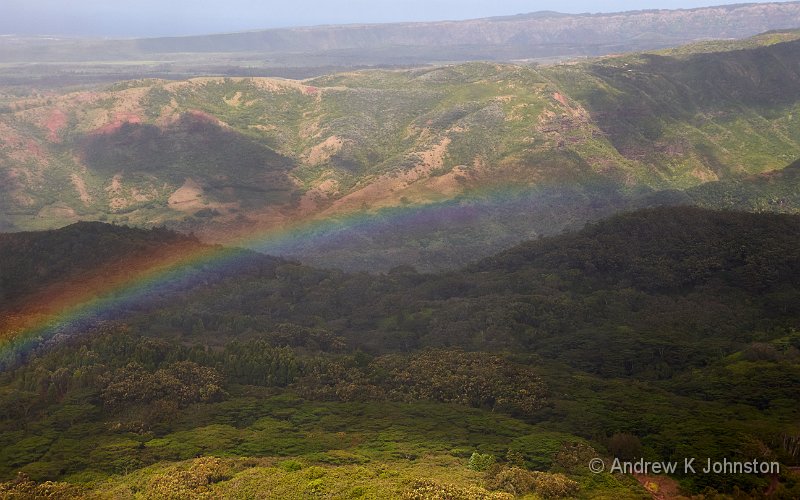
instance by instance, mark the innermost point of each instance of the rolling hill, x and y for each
(662, 333)
(488, 153)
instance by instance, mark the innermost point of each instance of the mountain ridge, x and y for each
(231, 157)
(507, 37)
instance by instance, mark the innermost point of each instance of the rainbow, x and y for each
(70, 312)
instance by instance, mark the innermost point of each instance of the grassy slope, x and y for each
(631, 329)
(654, 120)
(496, 153)
(696, 117)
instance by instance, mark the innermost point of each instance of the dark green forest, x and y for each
(662, 333)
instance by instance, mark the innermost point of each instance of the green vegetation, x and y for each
(711, 46)
(576, 141)
(661, 334)
(770, 192)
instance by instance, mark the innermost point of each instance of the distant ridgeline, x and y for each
(668, 332)
(433, 167)
(525, 36)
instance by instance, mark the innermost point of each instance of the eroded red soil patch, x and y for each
(119, 120)
(660, 487)
(55, 121)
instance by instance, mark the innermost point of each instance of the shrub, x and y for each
(573, 457)
(430, 490)
(553, 485)
(339, 457)
(183, 383)
(514, 480)
(290, 465)
(480, 462)
(316, 486)
(541, 448)
(191, 483)
(480, 380)
(23, 488)
(515, 458)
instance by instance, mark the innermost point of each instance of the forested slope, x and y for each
(666, 333)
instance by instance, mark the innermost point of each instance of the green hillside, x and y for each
(769, 192)
(528, 150)
(663, 334)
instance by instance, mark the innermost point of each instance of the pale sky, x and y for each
(139, 18)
